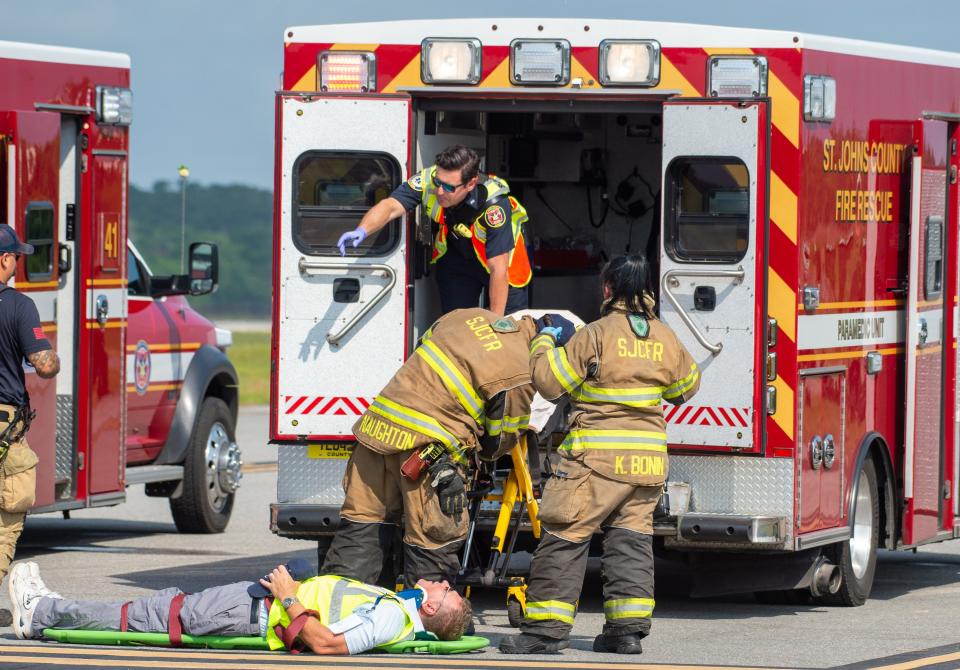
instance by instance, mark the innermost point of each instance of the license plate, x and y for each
(330, 450)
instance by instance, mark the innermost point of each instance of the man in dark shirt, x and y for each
(480, 241)
(21, 337)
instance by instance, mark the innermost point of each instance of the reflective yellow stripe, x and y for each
(629, 608)
(541, 342)
(649, 396)
(419, 422)
(550, 609)
(452, 378)
(678, 388)
(639, 440)
(562, 370)
(508, 424)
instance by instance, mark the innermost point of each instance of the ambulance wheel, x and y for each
(211, 472)
(514, 612)
(857, 557)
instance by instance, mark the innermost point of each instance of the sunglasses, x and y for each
(449, 188)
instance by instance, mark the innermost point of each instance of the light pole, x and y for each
(184, 172)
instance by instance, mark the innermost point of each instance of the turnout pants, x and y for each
(376, 499)
(18, 492)
(573, 507)
(221, 610)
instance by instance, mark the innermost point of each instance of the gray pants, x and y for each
(221, 610)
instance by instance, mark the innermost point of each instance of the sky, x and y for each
(204, 72)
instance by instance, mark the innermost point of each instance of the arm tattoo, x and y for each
(46, 362)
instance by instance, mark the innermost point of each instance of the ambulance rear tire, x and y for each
(857, 557)
(211, 470)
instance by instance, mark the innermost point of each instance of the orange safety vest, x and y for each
(519, 271)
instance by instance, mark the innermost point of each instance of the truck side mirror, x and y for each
(204, 268)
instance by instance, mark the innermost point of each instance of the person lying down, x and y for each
(324, 614)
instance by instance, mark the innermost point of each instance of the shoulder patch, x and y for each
(416, 182)
(495, 216)
(505, 325)
(639, 325)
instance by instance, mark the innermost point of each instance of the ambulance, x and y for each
(146, 394)
(796, 194)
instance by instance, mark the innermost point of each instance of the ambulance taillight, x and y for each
(347, 71)
(737, 77)
(629, 62)
(114, 106)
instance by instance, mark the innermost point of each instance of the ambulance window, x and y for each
(136, 278)
(39, 233)
(332, 191)
(708, 219)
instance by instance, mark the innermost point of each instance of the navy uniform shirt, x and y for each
(20, 336)
(496, 213)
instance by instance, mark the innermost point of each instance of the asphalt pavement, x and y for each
(123, 552)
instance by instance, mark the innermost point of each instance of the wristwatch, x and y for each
(289, 602)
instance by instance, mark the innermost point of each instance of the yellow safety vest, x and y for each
(519, 271)
(334, 598)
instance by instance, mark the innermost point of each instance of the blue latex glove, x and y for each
(563, 327)
(552, 331)
(353, 238)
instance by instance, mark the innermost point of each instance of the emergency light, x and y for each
(347, 71)
(819, 98)
(114, 105)
(540, 62)
(737, 76)
(629, 62)
(450, 60)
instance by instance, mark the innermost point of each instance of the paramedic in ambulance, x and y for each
(480, 240)
(325, 614)
(617, 371)
(21, 337)
(465, 391)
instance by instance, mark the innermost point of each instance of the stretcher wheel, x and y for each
(514, 613)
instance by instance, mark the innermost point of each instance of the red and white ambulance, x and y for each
(146, 394)
(797, 194)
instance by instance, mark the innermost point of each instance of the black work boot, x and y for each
(527, 643)
(619, 644)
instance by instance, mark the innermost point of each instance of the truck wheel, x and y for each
(857, 557)
(211, 472)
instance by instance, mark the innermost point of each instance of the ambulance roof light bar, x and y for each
(819, 98)
(114, 106)
(737, 76)
(347, 71)
(451, 60)
(629, 62)
(540, 62)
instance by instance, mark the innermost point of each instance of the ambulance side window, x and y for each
(708, 209)
(39, 233)
(332, 191)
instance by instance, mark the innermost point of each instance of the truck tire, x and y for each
(211, 472)
(857, 557)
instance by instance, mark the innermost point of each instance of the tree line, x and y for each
(239, 219)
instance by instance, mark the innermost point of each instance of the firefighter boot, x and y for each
(628, 643)
(528, 643)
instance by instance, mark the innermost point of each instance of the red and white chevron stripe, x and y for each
(331, 405)
(691, 415)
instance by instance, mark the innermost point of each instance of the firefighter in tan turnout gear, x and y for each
(466, 389)
(616, 371)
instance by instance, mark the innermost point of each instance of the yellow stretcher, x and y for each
(518, 489)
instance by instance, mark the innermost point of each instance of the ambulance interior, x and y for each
(590, 181)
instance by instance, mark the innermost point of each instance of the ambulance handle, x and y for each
(335, 337)
(670, 279)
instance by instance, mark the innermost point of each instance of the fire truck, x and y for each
(146, 394)
(796, 194)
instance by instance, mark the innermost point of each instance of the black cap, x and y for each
(10, 243)
(299, 568)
